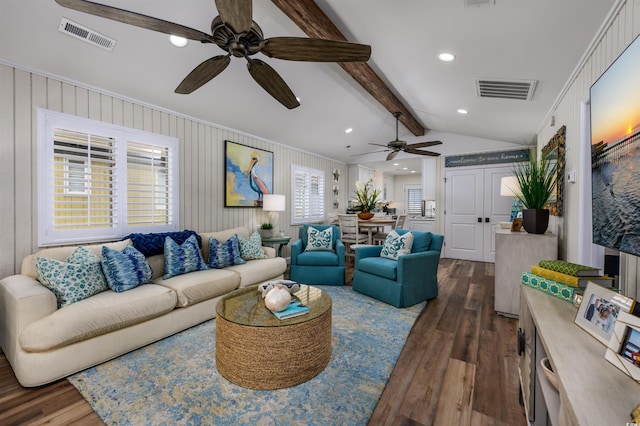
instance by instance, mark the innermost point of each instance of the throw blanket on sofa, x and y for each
(152, 244)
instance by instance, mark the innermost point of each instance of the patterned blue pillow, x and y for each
(251, 249)
(396, 245)
(75, 279)
(153, 243)
(224, 254)
(319, 239)
(180, 259)
(125, 269)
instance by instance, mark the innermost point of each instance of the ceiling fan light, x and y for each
(462, 111)
(446, 57)
(178, 41)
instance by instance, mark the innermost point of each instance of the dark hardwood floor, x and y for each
(458, 366)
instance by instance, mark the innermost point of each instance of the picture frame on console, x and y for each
(623, 349)
(600, 310)
(248, 175)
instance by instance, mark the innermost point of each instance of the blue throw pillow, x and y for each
(75, 279)
(125, 269)
(224, 254)
(251, 249)
(182, 258)
(319, 239)
(152, 244)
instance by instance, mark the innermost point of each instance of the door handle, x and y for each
(487, 220)
(479, 220)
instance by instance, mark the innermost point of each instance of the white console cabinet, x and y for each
(516, 252)
(591, 391)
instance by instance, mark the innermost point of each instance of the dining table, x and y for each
(374, 224)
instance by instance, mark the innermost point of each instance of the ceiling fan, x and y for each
(397, 145)
(235, 32)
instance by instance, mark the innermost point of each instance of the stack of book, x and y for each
(295, 309)
(561, 279)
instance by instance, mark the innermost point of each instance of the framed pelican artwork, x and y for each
(248, 175)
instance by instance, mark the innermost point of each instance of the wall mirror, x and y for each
(554, 151)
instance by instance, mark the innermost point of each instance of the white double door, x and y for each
(474, 209)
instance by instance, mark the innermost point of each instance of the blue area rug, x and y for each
(175, 381)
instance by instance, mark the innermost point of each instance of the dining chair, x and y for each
(349, 233)
(379, 237)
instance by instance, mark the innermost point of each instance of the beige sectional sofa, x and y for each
(43, 343)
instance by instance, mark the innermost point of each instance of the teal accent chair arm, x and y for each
(296, 249)
(416, 267)
(368, 251)
(340, 249)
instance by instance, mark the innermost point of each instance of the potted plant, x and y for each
(537, 182)
(265, 230)
(366, 198)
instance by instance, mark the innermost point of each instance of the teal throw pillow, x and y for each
(125, 269)
(224, 254)
(182, 258)
(319, 239)
(78, 277)
(396, 245)
(251, 249)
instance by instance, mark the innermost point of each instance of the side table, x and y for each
(279, 241)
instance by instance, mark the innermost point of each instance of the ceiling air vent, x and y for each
(506, 89)
(83, 33)
(478, 2)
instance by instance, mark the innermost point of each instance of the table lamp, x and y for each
(273, 203)
(509, 187)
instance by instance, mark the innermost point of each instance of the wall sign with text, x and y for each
(484, 158)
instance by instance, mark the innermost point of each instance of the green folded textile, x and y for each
(545, 285)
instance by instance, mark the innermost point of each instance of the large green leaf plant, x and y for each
(536, 181)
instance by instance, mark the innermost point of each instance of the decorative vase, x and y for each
(265, 233)
(278, 298)
(535, 221)
(365, 215)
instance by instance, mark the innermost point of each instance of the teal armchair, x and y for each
(317, 266)
(403, 282)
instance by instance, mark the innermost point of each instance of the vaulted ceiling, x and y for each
(539, 41)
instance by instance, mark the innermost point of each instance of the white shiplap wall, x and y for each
(616, 35)
(201, 159)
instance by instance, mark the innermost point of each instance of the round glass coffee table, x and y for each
(256, 350)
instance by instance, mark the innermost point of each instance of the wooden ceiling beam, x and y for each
(316, 24)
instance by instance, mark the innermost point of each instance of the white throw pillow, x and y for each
(395, 245)
(319, 239)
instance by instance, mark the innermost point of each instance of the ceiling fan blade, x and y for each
(237, 14)
(392, 154)
(203, 73)
(366, 153)
(270, 81)
(421, 152)
(136, 19)
(378, 144)
(315, 50)
(424, 144)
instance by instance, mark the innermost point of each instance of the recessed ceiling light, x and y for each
(462, 111)
(446, 57)
(396, 164)
(413, 171)
(349, 130)
(178, 41)
(405, 168)
(298, 99)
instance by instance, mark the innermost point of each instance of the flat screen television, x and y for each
(615, 157)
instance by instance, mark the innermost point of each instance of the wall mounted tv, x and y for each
(615, 153)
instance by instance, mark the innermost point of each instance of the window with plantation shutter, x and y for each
(414, 200)
(307, 195)
(99, 182)
(149, 195)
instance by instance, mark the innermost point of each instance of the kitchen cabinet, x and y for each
(423, 225)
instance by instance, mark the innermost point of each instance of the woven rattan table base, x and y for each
(273, 357)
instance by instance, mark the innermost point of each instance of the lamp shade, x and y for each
(273, 203)
(509, 186)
